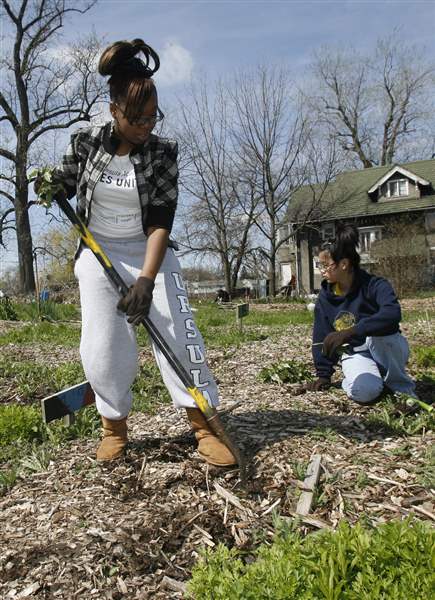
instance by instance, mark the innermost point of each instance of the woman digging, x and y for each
(125, 180)
(357, 315)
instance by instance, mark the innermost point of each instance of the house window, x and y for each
(368, 235)
(397, 187)
(285, 233)
(328, 231)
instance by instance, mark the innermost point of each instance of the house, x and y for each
(377, 200)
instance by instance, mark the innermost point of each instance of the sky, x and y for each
(217, 37)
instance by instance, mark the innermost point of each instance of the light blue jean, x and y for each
(383, 363)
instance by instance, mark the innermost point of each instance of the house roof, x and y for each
(402, 171)
(348, 196)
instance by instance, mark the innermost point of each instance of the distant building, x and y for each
(370, 198)
(257, 287)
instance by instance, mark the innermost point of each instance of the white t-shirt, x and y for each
(116, 211)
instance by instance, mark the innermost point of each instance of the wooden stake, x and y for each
(310, 482)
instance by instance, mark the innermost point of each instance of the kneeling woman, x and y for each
(359, 313)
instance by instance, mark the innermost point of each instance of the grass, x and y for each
(424, 356)
(209, 315)
(43, 333)
(34, 380)
(53, 311)
(219, 327)
(149, 391)
(411, 316)
(351, 563)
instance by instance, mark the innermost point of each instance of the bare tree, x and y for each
(272, 132)
(380, 106)
(46, 89)
(221, 201)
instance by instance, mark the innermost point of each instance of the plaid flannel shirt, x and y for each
(155, 165)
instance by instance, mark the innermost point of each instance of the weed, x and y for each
(37, 461)
(19, 423)
(291, 371)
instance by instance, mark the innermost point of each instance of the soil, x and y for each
(134, 528)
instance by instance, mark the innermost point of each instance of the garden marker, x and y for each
(209, 412)
(67, 401)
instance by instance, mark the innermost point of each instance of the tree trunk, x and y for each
(24, 234)
(227, 274)
(24, 243)
(272, 276)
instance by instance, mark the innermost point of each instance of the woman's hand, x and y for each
(47, 186)
(137, 302)
(334, 340)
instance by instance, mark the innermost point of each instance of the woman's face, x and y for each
(327, 267)
(135, 133)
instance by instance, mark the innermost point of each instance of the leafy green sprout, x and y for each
(48, 187)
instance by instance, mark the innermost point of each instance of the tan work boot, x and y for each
(114, 439)
(209, 446)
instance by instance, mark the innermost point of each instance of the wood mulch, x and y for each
(134, 529)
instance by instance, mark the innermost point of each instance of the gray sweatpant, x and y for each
(108, 345)
(383, 363)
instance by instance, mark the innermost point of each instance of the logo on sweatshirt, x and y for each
(344, 320)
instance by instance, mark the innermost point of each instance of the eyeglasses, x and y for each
(323, 268)
(145, 120)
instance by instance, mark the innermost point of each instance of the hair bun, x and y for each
(123, 55)
(347, 233)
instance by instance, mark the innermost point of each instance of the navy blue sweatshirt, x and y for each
(371, 306)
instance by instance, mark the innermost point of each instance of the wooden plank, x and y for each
(172, 584)
(309, 485)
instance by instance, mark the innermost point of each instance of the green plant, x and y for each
(38, 460)
(7, 480)
(425, 356)
(48, 187)
(299, 469)
(19, 423)
(324, 433)
(351, 563)
(385, 416)
(7, 311)
(426, 473)
(291, 371)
